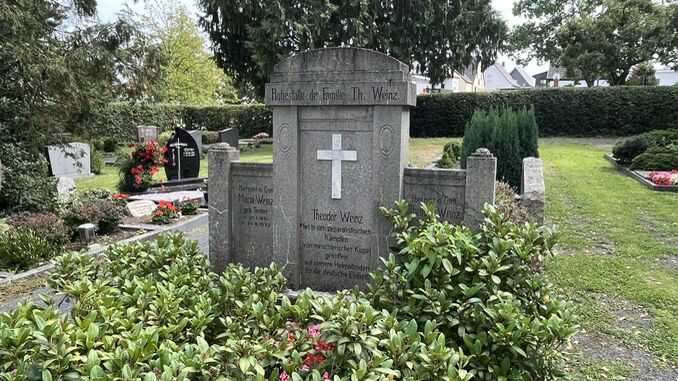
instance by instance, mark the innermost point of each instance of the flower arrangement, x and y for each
(165, 213)
(261, 136)
(138, 169)
(664, 177)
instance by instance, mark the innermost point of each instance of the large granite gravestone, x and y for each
(340, 142)
(147, 133)
(69, 160)
(197, 136)
(182, 155)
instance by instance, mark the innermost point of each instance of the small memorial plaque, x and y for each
(141, 208)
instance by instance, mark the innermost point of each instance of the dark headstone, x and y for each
(230, 136)
(183, 156)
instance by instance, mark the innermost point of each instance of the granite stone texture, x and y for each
(533, 189)
(220, 158)
(445, 188)
(340, 146)
(481, 175)
(340, 116)
(69, 160)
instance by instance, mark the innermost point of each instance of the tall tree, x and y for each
(250, 36)
(596, 38)
(643, 75)
(51, 74)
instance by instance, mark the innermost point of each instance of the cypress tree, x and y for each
(507, 148)
(529, 133)
(479, 133)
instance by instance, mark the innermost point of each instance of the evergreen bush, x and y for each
(659, 158)
(27, 184)
(510, 135)
(625, 150)
(450, 156)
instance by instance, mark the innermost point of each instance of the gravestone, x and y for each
(141, 208)
(182, 156)
(340, 145)
(69, 160)
(65, 188)
(147, 133)
(230, 136)
(197, 136)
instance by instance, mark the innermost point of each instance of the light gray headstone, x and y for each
(341, 130)
(481, 175)
(533, 189)
(69, 160)
(146, 133)
(197, 136)
(141, 208)
(220, 158)
(230, 136)
(65, 187)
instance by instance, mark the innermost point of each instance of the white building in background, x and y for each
(497, 78)
(468, 80)
(666, 76)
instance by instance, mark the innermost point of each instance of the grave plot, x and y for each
(651, 158)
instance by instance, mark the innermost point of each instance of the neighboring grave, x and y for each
(230, 136)
(146, 133)
(180, 196)
(197, 136)
(141, 208)
(341, 134)
(65, 187)
(182, 155)
(69, 160)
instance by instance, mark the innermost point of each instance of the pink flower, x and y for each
(313, 330)
(305, 368)
(284, 376)
(326, 376)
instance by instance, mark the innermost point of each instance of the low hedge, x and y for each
(602, 111)
(119, 120)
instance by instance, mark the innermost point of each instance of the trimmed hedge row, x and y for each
(602, 111)
(119, 120)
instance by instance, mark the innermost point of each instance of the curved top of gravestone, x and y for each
(339, 59)
(340, 76)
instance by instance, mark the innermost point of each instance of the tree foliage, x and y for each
(251, 36)
(597, 38)
(643, 75)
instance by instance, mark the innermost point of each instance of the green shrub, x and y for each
(27, 185)
(657, 159)
(210, 137)
(479, 133)
(105, 214)
(23, 249)
(600, 111)
(96, 162)
(153, 310)
(46, 225)
(510, 135)
(485, 292)
(528, 132)
(626, 150)
(110, 144)
(451, 154)
(118, 120)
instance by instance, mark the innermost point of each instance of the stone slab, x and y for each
(141, 208)
(147, 133)
(69, 160)
(446, 188)
(170, 196)
(230, 136)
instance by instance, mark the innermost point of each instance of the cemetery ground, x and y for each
(617, 259)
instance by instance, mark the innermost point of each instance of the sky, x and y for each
(107, 10)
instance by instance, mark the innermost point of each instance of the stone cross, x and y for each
(177, 154)
(336, 156)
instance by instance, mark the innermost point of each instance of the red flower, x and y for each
(120, 196)
(314, 358)
(324, 346)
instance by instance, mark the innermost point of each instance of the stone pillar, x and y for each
(481, 174)
(533, 189)
(221, 156)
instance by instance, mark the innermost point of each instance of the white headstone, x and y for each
(69, 160)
